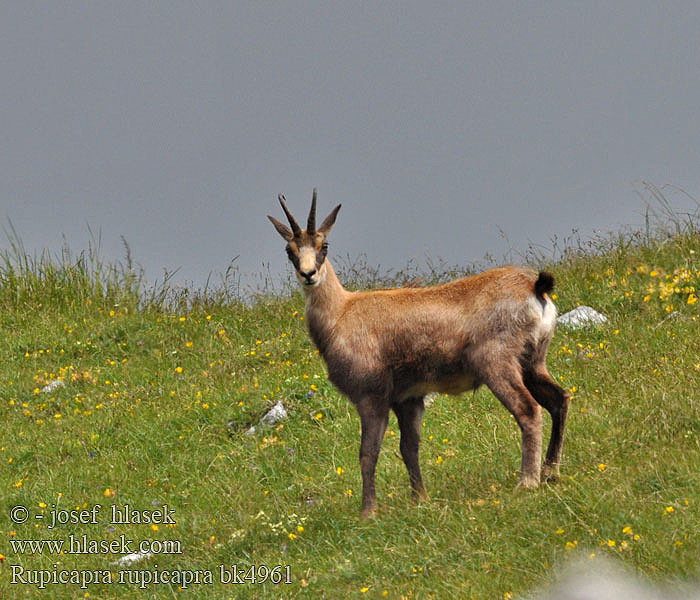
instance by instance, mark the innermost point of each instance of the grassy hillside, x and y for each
(155, 403)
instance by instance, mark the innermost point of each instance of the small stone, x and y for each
(581, 316)
(275, 414)
(52, 386)
(272, 416)
(130, 559)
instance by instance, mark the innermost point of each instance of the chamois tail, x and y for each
(544, 284)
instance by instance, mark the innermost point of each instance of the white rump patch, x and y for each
(547, 316)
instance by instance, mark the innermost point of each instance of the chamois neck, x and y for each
(327, 296)
(324, 305)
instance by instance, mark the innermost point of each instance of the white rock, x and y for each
(275, 414)
(130, 559)
(52, 386)
(581, 316)
(272, 416)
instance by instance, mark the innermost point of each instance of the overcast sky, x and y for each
(437, 125)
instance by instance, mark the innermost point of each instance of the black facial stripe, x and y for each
(321, 256)
(293, 258)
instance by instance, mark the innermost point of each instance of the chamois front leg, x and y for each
(374, 416)
(409, 414)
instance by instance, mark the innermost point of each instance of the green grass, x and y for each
(160, 389)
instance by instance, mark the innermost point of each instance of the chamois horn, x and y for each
(311, 224)
(296, 230)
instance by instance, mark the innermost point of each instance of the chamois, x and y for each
(387, 349)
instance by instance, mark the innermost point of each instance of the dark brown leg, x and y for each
(409, 414)
(374, 415)
(556, 401)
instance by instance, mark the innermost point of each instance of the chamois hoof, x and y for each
(369, 512)
(527, 483)
(550, 473)
(420, 496)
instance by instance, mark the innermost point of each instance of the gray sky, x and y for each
(176, 124)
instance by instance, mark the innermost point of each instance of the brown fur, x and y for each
(386, 349)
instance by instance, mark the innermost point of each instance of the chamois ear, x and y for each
(283, 230)
(329, 221)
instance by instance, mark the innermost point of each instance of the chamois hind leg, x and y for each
(553, 398)
(409, 414)
(507, 385)
(374, 415)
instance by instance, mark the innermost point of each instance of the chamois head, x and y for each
(306, 248)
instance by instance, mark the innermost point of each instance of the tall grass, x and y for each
(65, 280)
